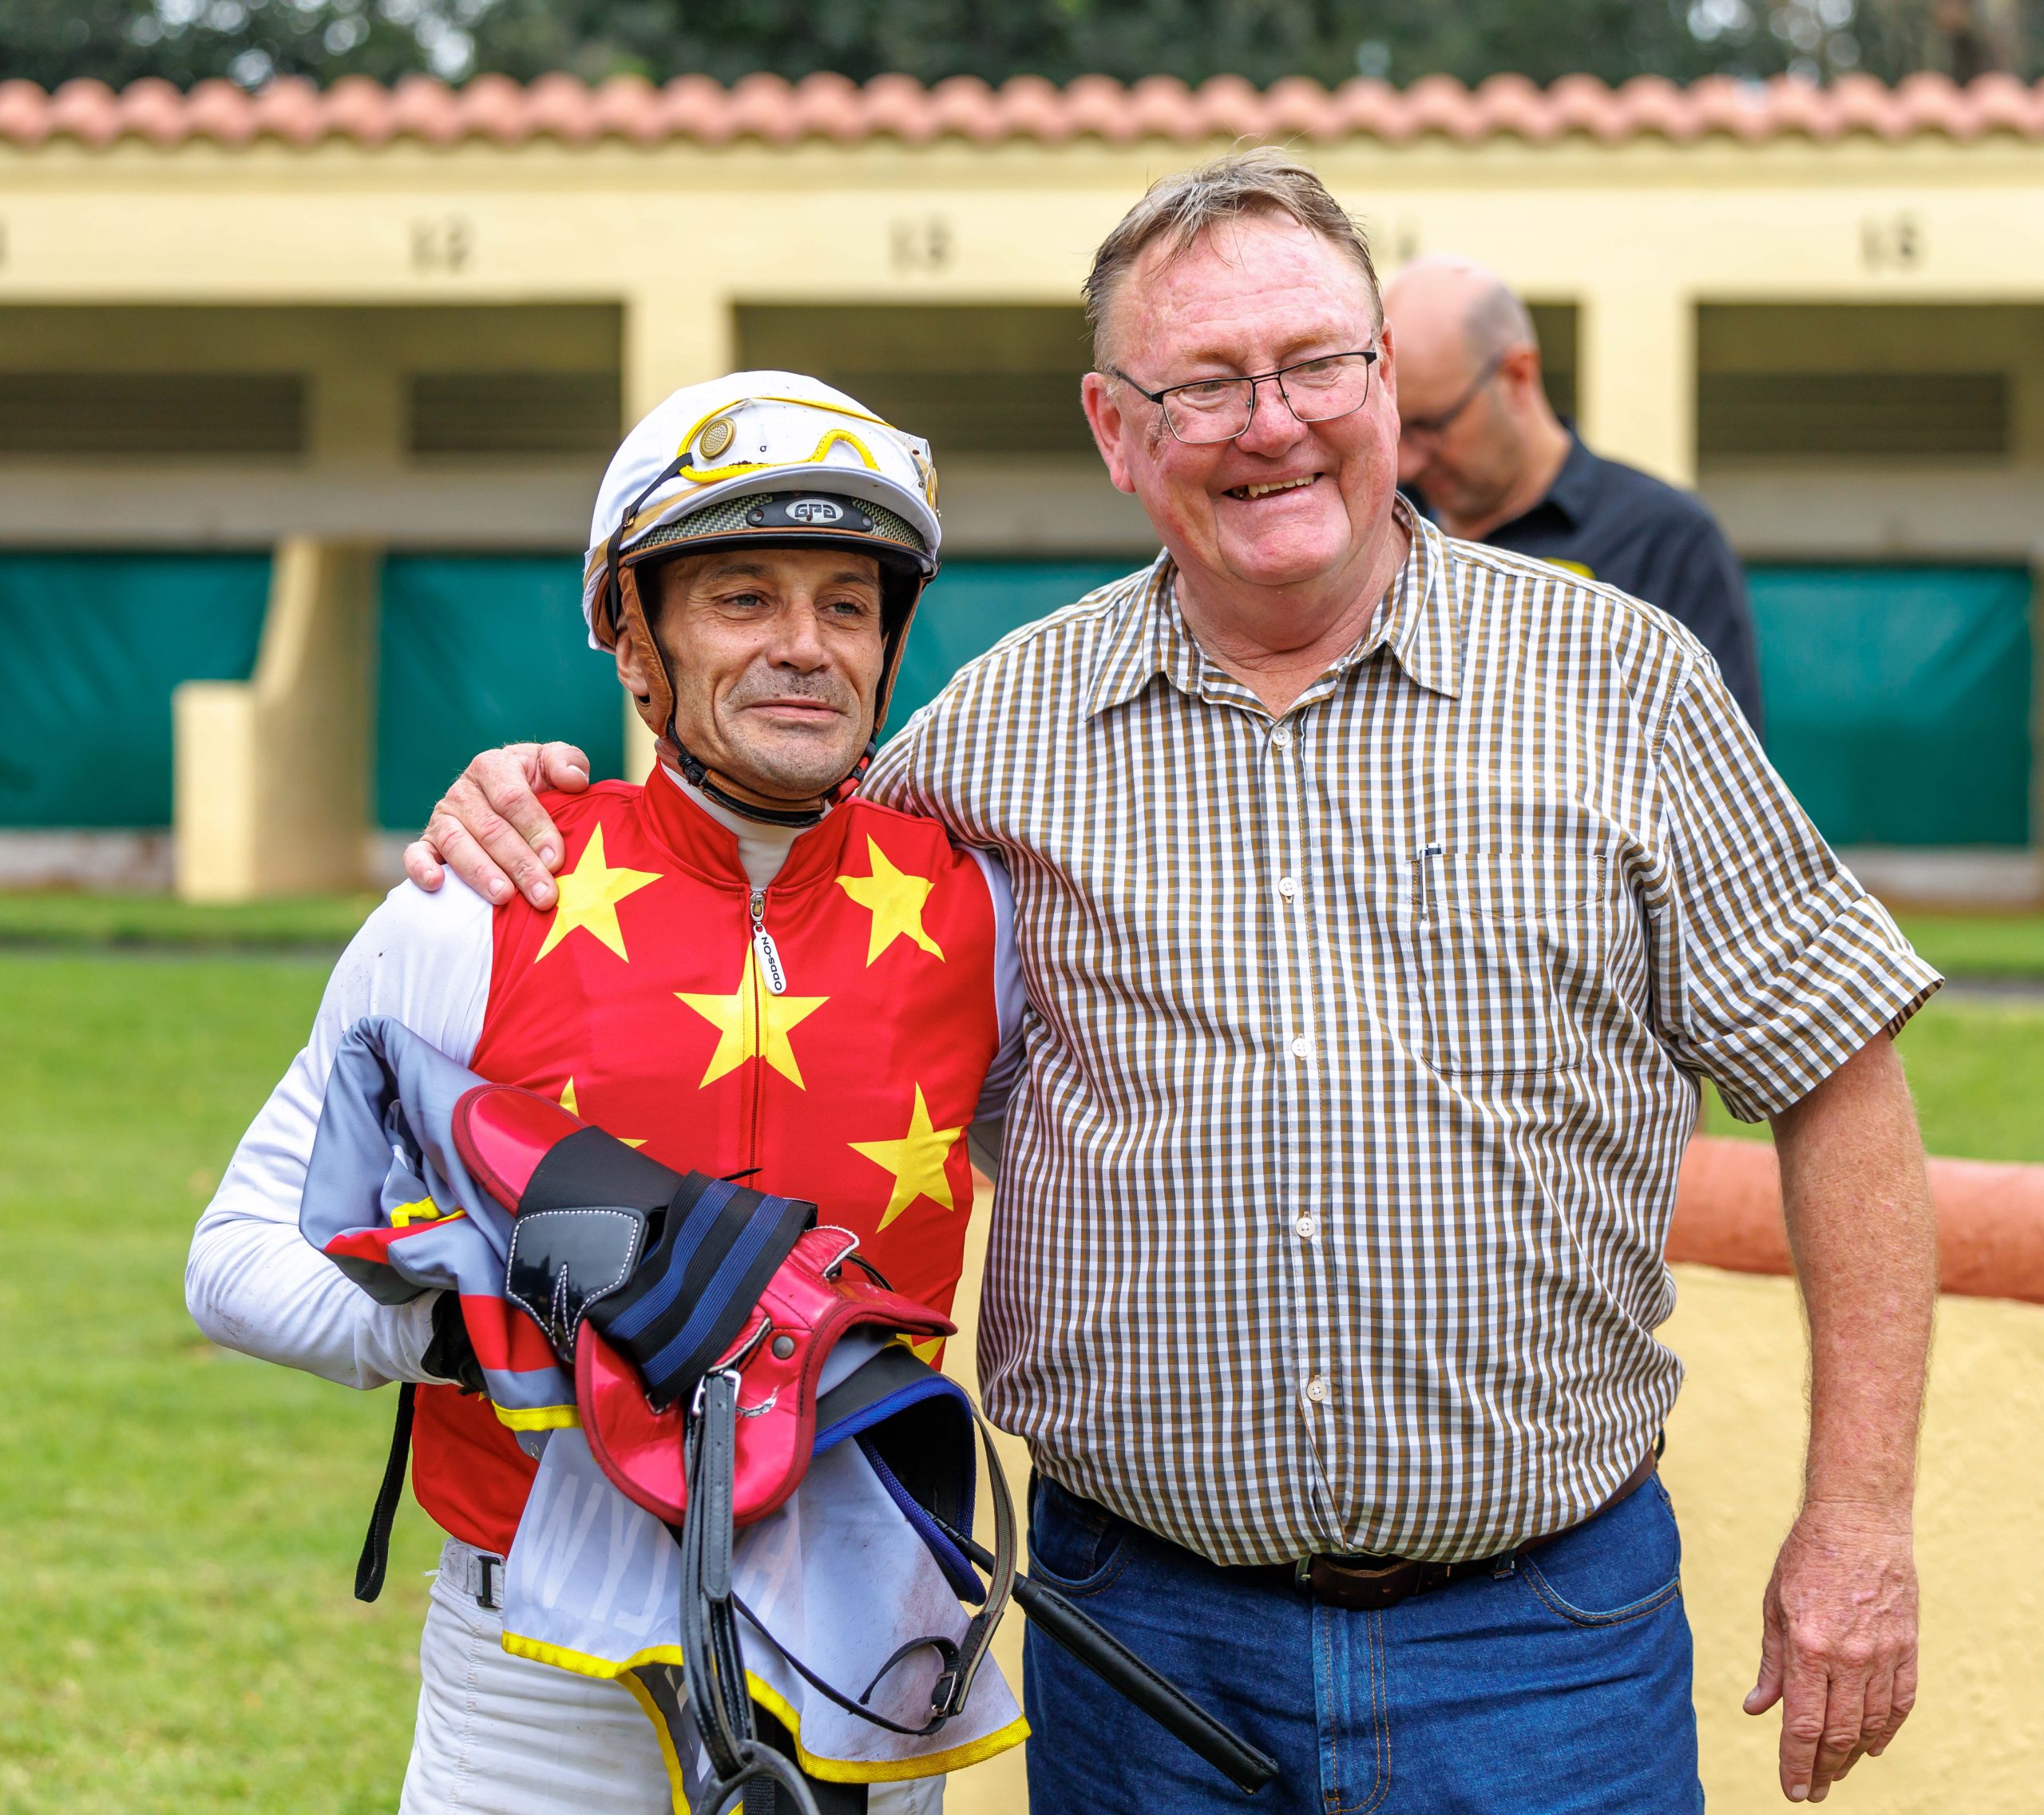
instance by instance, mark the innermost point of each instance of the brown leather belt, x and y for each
(1370, 1584)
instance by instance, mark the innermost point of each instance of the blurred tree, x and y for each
(250, 40)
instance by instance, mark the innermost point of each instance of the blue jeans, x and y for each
(1562, 1686)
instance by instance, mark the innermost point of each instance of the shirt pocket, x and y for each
(1511, 949)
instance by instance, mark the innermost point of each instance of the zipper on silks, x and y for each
(766, 954)
(773, 980)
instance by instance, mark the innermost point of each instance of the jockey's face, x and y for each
(776, 656)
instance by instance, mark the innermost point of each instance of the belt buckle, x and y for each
(1360, 1582)
(1361, 1564)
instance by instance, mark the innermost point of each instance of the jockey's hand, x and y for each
(450, 1356)
(490, 828)
(1838, 1649)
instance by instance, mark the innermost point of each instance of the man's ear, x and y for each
(1384, 376)
(1104, 418)
(631, 667)
(1520, 370)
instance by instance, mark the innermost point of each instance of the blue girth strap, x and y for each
(668, 1268)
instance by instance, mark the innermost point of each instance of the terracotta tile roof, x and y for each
(495, 110)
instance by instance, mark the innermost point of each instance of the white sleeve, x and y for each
(1012, 1005)
(253, 1282)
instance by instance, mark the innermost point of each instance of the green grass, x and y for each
(63, 917)
(1976, 1069)
(177, 1633)
(1979, 944)
(1984, 945)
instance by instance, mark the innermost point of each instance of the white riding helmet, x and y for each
(759, 458)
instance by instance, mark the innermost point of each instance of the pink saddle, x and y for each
(596, 1220)
(811, 1304)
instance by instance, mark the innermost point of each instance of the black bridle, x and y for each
(713, 1656)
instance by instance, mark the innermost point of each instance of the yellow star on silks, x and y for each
(589, 895)
(568, 1103)
(917, 1160)
(895, 901)
(754, 1024)
(926, 1352)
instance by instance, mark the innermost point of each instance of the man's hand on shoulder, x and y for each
(1838, 1649)
(490, 828)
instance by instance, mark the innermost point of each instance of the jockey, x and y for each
(748, 971)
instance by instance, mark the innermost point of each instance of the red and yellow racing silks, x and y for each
(644, 1002)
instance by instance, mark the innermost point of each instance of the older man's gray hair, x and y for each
(1181, 208)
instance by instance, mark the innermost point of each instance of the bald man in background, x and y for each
(1481, 450)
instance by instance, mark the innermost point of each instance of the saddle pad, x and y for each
(838, 1576)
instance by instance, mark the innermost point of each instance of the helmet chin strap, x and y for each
(696, 773)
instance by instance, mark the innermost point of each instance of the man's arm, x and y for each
(1839, 1645)
(490, 828)
(1779, 978)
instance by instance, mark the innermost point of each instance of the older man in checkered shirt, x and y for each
(1382, 901)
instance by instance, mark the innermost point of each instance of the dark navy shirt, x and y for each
(1613, 523)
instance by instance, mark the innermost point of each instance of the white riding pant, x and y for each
(502, 1735)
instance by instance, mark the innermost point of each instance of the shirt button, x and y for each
(1318, 1390)
(1302, 1047)
(1281, 738)
(1287, 887)
(1307, 1227)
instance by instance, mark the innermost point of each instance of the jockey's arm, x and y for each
(252, 1282)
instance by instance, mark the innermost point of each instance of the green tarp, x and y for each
(1898, 700)
(91, 646)
(971, 605)
(484, 649)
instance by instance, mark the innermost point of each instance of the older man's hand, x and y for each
(490, 828)
(1838, 1647)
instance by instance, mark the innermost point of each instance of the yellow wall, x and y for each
(272, 773)
(354, 478)
(999, 1787)
(1733, 1466)
(665, 245)
(1976, 1741)
(1637, 233)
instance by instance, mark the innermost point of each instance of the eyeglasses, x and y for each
(1433, 427)
(1217, 409)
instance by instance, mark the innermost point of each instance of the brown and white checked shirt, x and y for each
(1363, 1044)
